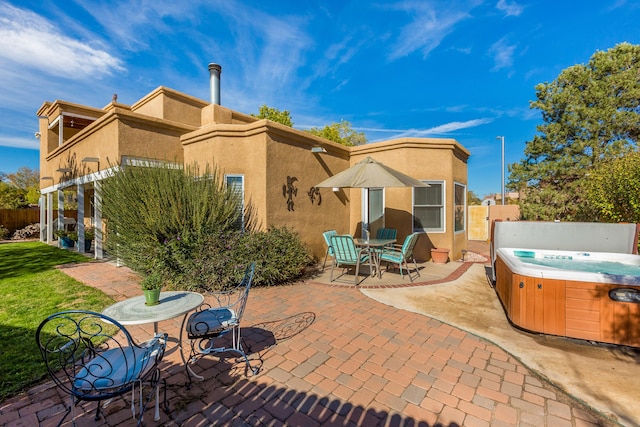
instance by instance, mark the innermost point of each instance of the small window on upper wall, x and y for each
(460, 207)
(429, 208)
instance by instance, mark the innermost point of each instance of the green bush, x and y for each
(169, 222)
(220, 261)
(279, 254)
(158, 213)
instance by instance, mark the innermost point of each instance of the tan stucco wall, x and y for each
(266, 153)
(168, 104)
(232, 149)
(118, 133)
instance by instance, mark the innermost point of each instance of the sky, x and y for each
(462, 69)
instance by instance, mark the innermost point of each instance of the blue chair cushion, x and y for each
(395, 257)
(211, 322)
(116, 367)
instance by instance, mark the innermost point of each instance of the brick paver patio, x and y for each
(329, 356)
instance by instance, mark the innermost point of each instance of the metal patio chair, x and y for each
(401, 255)
(386, 233)
(327, 239)
(212, 320)
(347, 255)
(92, 357)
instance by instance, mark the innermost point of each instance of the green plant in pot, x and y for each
(66, 238)
(151, 286)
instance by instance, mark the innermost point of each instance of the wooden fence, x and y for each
(15, 219)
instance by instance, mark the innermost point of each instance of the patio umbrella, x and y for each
(370, 173)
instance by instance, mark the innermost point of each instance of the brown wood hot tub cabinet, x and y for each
(567, 308)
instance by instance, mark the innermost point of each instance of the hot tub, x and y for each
(588, 295)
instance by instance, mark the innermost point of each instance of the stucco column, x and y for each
(43, 223)
(97, 221)
(49, 218)
(80, 224)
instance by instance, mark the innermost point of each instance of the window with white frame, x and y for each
(428, 207)
(236, 183)
(460, 207)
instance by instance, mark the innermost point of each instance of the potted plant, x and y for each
(151, 286)
(66, 238)
(440, 255)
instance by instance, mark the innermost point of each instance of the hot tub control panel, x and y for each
(625, 295)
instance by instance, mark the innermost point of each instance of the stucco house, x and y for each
(271, 165)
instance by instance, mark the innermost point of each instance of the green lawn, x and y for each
(30, 290)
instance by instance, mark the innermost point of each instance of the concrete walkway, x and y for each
(331, 355)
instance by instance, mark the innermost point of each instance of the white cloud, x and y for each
(454, 126)
(509, 8)
(428, 27)
(17, 142)
(29, 40)
(502, 53)
(440, 130)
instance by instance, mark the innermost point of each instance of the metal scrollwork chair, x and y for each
(327, 238)
(92, 357)
(348, 255)
(402, 254)
(220, 317)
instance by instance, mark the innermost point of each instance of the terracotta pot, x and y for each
(440, 255)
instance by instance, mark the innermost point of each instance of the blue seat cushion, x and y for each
(395, 257)
(211, 322)
(115, 368)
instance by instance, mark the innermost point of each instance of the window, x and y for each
(460, 208)
(428, 207)
(236, 182)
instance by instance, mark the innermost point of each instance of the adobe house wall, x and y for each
(276, 161)
(292, 172)
(279, 172)
(168, 104)
(426, 159)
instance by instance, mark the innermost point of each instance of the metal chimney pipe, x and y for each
(214, 81)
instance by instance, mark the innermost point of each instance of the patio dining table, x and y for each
(374, 247)
(134, 311)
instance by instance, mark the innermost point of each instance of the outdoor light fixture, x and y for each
(318, 150)
(502, 139)
(335, 189)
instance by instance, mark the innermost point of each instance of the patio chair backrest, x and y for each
(344, 249)
(327, 239)
(409, 244)
(235, 298)
(217, 317)
(92, 357)
(386, 233)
